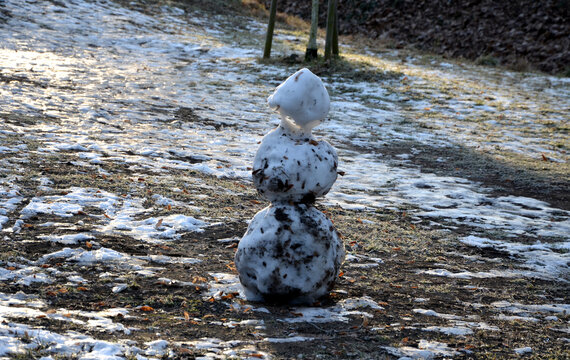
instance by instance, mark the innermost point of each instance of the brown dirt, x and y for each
(521, 34)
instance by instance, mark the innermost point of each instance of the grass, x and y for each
(405, 245)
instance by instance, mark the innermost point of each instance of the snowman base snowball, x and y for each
(289, 254)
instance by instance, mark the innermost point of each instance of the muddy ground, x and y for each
(180, 313)
(472, 316)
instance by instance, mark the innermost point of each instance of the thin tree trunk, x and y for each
(270, 28)
(335, 31)
(312, 49)
(330, 26)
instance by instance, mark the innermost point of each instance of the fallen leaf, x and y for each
(158, 224)
(229, 296)
(88, 245)
(81, 288)
(146, 308)
(199, 279)
(544, 158)
(186, 316)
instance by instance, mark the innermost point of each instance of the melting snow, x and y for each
(138, 63)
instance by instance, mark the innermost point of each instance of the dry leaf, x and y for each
(158, 223)
(146, 308)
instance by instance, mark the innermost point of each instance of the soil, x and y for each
(521, 34)
(181, 313)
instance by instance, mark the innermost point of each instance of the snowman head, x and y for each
(302, 100)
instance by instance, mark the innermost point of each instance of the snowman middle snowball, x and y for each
(291, 251)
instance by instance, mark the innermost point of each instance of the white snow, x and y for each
(302, 97)
(523, 350)
(550, 260)
(131, 86)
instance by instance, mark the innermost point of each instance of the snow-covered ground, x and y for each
(108, 83)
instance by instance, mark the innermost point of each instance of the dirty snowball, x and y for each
(289, 168)
(289, 252)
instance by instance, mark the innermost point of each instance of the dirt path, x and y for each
(126, 138)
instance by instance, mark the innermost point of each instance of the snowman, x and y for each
(291, 252)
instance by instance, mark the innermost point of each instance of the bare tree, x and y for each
(331, 40)
(270, 28)
(312, 49)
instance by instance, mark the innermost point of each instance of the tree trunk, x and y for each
(270, 27)
(312, 49)
(330, 26)
(335, 31)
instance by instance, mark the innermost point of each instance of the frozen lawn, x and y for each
(127, 136)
